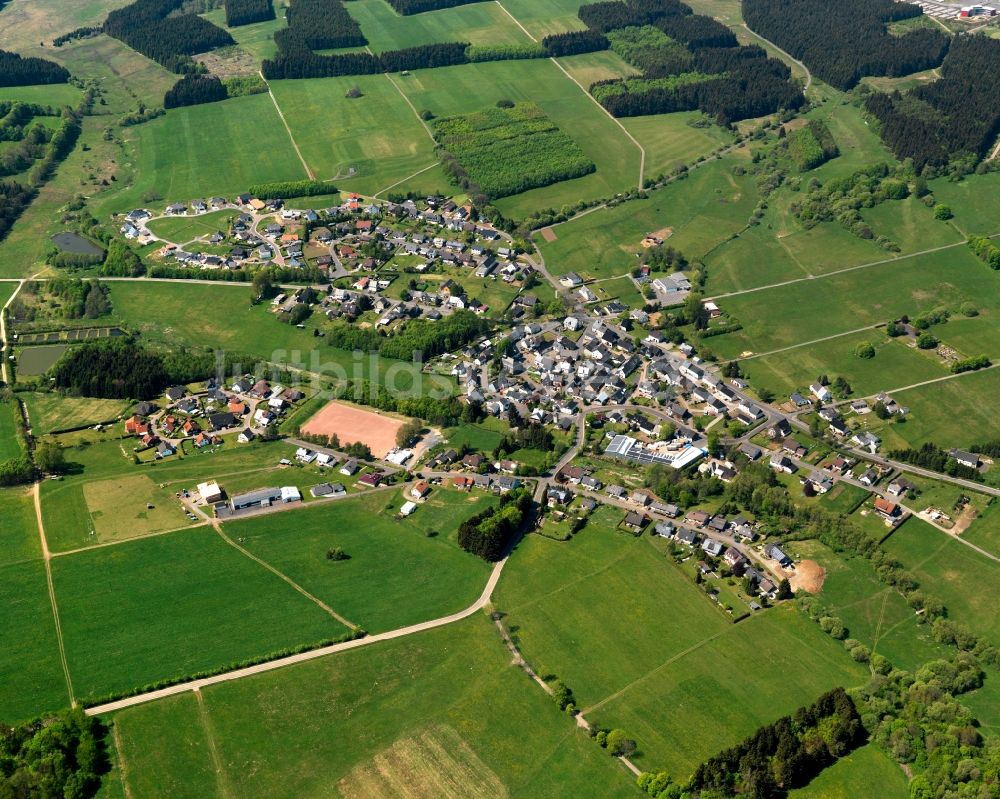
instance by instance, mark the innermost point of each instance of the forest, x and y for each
(489, 532)
(502, 151)
(18, 71)
(291, 188)
(842, 44)
(14, 198)
(245, 12)
(786, 754)
(148, 27)
(303, 63)
(194, 90)
(575, 43)
(689, 62)
(418, 337)
(954, 117)
(407, 7)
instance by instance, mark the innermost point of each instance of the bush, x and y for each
(865, 350)
(942, 211)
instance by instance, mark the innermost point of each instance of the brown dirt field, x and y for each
(809, 576)
(353, 425)
(548, 234)
(969, 515)
(436, 764)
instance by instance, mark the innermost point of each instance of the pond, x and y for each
(34, 361)
(68, 241)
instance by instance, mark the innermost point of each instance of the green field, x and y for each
(26, 24)
(670, 140)
(483, 436)
(171, 606)
(544, 17)
(10, 443)
(377, 135)
(198, 151)
(257, 38)
(588, 68)
(857, 774)
(451, 91)
(477, 23)
(19, 534)
(31, 677)
(843, 498)
(55, 95)
(566, 600)
(963, 579)
(396, 574)
(985, 530)
(54, 411)
(693, 215)
(445, 708)
(182, 229)
(872, 612)
(975, 202)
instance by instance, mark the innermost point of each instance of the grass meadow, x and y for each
(693, 215)
(170, 606)
(10, 442)
(544, 17)
(604, 587)
(985, 530)
(446, 708)
(19, 540)
(855, 775)
(397, 574)
(52, 411)
(966, 581)
(182, 229)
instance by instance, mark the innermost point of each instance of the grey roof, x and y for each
(256, 497)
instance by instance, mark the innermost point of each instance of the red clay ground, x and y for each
(352, 425)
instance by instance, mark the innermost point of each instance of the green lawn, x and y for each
(396, 574)
(670, 140)
(50, 94)
(198, 151)
(975, 201)
(53, 411)
(31, 677)
(964, 580)
(172, 606)
(843, 498)
(10, 443)
(19, 533)
(985, 530)
(857, 774)
(483, 436)
(377, 135)
(573, 604)
(694, 215)
(444, 705)
(183, 229)
(477, 23)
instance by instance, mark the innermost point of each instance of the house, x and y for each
(698, 517)
(246, 436)
(350, 467)
(473, 460)
(464, 483)
(222, 420)
(304, 455)
(504, 484)
(420, 490)
(324, 459)
(175, 393)
(571, 280)
(210, 492)
(371, 479)
(779, 429)
(886, 508)
(688, 537)
(782, 463)
(866, 440)
(968, 459)
(774, 552)
(712, 547)
(899, 487)
(869, 477)
(290, 494)
(136, 426)
(736, 561)
(328, 490)
(820, 482)
(665, 529)
(752, 451)
(557, 495)
(820, 392)
(640, 498)
(634, 521)
(164, 450)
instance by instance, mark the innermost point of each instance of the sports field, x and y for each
(400, 571)
(355, 425)
(444, 708)
(603, 588)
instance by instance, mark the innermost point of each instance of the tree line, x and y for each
(304, 63)
(575, 43)
(245, 12)
(842, 44)
(955, 116)
(418, 336)
(489, 532)
(617, 14)
(786, 754)
(407, 7)
(151, 28)
(18, 71)
(291, 188)
(14, 198)
(930, 456)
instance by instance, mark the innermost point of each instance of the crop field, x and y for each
(801, 310)
(25, 24)
(895, 364)
(544, 17)
(53, 411)
(477, 23)
(217, 148)
(676, 638)
(966, 581)
(855, 774)
(183, 229)
(872, 612)
(173, 605)
(588, 68)
(451, 91)
(509, 150)
(365, 143)
(427, 704)
(398, 572)
(31, 677)
(692, 215)
(351, 425)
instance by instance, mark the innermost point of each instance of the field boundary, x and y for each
(221, 780)
(408, 177)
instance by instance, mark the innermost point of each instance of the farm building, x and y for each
(210, 492)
